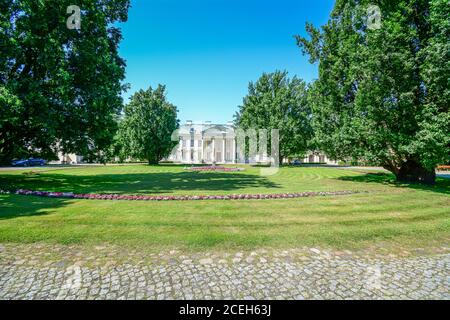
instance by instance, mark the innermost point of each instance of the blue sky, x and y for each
(207, 51)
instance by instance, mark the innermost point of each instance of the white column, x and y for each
(197, 150)
(203, 149)
(223, 150)
(233, 156)
(213, 156)
(194, 150)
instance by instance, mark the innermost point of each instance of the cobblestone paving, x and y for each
(70, 272)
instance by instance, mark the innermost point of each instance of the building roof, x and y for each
(206, 129)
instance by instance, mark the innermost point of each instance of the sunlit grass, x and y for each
(407, 215)
(170, 179)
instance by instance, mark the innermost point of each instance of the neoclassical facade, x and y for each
(206, 143)
(216, 143)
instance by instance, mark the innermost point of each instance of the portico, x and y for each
(216, 143)
(206, 143)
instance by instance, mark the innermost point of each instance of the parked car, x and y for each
(296, 162)
(28, 162)
(20, 163)
(36, 162)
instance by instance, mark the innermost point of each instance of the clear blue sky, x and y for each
(207, 51)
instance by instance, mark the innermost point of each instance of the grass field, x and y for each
(386, 213)
(173, 179)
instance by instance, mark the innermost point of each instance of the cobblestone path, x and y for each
(70, 272)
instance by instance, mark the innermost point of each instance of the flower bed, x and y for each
(71, 195)
(214, 168)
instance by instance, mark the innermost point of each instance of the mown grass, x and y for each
(404, 215)
(171, 179)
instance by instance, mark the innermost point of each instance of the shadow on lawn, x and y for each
(442, 185)
(140, 183)
(12, 206)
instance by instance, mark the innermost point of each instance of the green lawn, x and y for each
(387, 213)
(173, 179)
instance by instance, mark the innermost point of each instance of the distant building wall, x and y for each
(69, 158)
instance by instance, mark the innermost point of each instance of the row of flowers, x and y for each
(185, 197)
(214, 168)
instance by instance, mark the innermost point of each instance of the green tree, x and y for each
(383, 94)
(147, 127)
(10, 111)
(277, 102)
(68, 82)
(116, 151)
(433, 137)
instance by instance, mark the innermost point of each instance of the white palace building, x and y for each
(216, 143)
(208, 143)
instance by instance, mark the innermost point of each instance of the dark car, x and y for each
(36, 162)
(20, 163)
(29, 162)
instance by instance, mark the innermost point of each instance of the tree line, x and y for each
(382, 95)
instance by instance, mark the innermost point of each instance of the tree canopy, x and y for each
(276, 102)
(60, 89)
(146, 129)
(383, 94)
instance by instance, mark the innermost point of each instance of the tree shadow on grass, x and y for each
(15, 206)
(442, 185)
(139, 183)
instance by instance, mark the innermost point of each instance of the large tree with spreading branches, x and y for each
(148, 124)
(383, 92)
(275, 101)
(60, 87)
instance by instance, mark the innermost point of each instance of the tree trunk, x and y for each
(412, 171)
